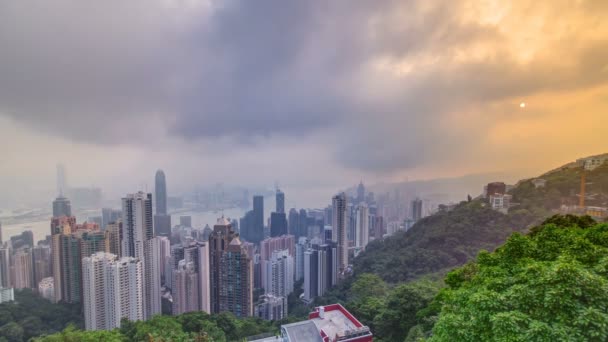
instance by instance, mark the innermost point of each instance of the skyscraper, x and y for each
(339, 226)
(5, 266)
(278, 273)
(194, 259)
(280, 199)
(112, 291)
(162, 221)
(137, 231)
(41, 262)
(360, 193)
(160, 187)
(311, 274)
(258, 219)
(278, 224)
(294, 221)
(185, 286)
(231, 272)
(416, 209)
(62, 207)
(23, 269)
(362, 226)
(62, 185)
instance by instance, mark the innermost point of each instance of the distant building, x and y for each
(278, 273)
(267, 246)
(62, 207)
(160, 189)
(278, 224)
(7, 295)
(495, 188)
(190, 267)
(46, 289)
(185, 221)
(360, 193)
(41, 263)
(591, 163)
(416, 209)
(339, 226)
(272, 308)
(280, 202)
(109, 215)
(23, 269)
(300, 248)
(231, 271)
(539, 183)
(185, 288)
(500, 202)
(362, 226)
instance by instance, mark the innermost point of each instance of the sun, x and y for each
(522, 105)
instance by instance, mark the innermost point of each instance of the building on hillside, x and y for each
(7, 295)
(590, 163)
(500, 202)
(330, 323)
(271, 308)
(539, 182)
(278, 274)
(495, 188)
(339, 230)
(46, 289)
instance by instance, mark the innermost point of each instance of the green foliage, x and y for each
(550, 285)
(30, 316)
(440, 242)
(192, 326)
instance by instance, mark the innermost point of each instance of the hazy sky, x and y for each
(314, 94)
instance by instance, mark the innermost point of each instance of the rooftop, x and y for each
(334, 321)
(305, 331)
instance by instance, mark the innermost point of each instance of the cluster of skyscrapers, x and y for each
(124, 265)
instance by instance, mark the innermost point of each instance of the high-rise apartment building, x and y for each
(112, 232)
(160, 188)
(301, 247)
(23, 269)
(109, 215)
(267, 246)
(112, 290)
(41, 262)
(278, 273)
(5, 266)
(231, 272)
(339, 226)
(362, 226)
(186, 288)
(138, 242)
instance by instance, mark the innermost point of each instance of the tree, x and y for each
(12, 331)
(549, 285)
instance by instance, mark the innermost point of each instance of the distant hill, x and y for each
(446, 240)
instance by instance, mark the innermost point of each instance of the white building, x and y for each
(278, 273)
(112, 290)
(593, 162)
(272, 308)
(46, 288)
(301, 247)
(138, 242)
(362, 226)
(7, 295)
(500, 202)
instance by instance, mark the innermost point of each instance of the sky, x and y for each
(312, 95)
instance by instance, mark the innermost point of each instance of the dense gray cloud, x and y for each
(379, 84)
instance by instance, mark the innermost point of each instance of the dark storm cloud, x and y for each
(101, 72)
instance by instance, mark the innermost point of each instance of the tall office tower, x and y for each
(185, 287)
(185, 221)
(160, 188)
(278, 224)
(328, 266)
(267, 246)
(278, 273)
(362, 226)
(41, 262)
(62, 185)
(293, 221)
(152, 277)
(231, 272)
(246, 224)
(339, 230)
(258, 219)
(112, 233)
(1, 241)
(360, 193)
(23, 269)
(162, 225)
(311, 274)
(5, 266)
(303, 223)
(416, 209)
(301, 247)
(280, 199)
(62, 207)
(112, 290)
(109, 215)
(351, 219)
(327, 215)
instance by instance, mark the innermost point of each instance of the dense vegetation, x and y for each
(440, 242)
(30, 315)
(551, 285)
(194, 326)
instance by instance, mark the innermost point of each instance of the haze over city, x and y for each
(314, 96)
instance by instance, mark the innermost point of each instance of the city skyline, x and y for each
(394, 90)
